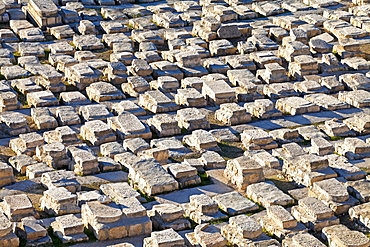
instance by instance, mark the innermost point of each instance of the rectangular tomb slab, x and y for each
(268, 194)
(327, 102)
(296, 105)
(330, 190)
(281, 216)
(234, 203)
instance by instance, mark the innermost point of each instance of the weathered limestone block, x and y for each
(206, 235)
(86, 27)
(215, 65)
(135, 145)
(7, 236)
(336, 128)
(356, 81)
(301, 239)
(232, 114)
(30, 49)
(192, 119)
(314, 214)
(218, 92)
(69, 228)
(353, 148)
(59, 201)
(81, 75)
(26, 85)
(53, 154)
(359, 189)
(279, 222)
(294, 150)
(212, 159)
(13, 123)
(7, 176)
(168, 216)
(64, 134)
(87, 42)
(330, 63)
(34, 233)
(128, 106)
(242, 230)
(359, 123)
(116, 72)
(36, 170)
(43, 118)
(340, 235)
(201, 140)
(156, 102)
(234, 203)
(334, 194)
(296, 105)
(103, 91)
(141, 172)
(66, 115)
(303, 65)
(190, 97)
(257, 139)
(359, 214)
(61, 178)
(9, 101)
(290, 49)
(197, 163)
(20, 163)
(345, 169)
(221, 47)
(42, 98)
(263, 158)
(285, 135)
(114, 221)
(175, 147)
(135, 86)
(61, 32)
(110, 149)
(326, 102)
(272, 73)
(243, 171)
(166, 68)
(262, 108)
(321, 146)
(164, 125)
(159, 154)
(44, 13)
(307, 169)
(184, 174)
(262, 42)
(119, 191)
(267, 9)
(165, 84)
(16, 207)
(26, 143)
(202, 209)
(94, 112)
(356, 98)
(108, 164)
(97, 132)
(166, 237)
(127, 125)
(83, 161)
(267, 194)
(62, 47)
(74, 98)
(260, 58)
